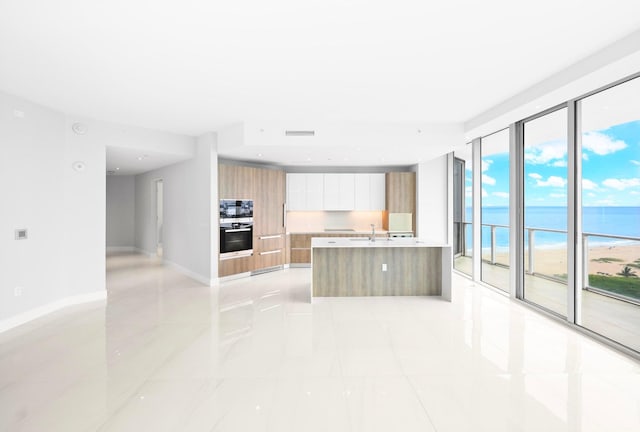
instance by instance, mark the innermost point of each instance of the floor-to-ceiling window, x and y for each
(494, 150)
(545, 210)
(609, 133)
(463, 210)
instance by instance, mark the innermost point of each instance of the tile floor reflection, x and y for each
(165, 353)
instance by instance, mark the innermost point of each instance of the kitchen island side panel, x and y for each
(343, 272)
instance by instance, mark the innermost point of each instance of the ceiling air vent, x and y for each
(299, 133)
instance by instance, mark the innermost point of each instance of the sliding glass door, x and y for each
(609, 133)
(494, 153)
(463, 210)
(545, 211)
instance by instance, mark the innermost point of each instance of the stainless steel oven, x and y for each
(236, 228)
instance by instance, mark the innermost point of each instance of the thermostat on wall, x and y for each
(21, 234)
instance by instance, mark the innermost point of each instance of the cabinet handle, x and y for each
(270, 237)
(271, 252)
(284, 214)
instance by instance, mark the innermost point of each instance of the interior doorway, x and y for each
(159, 207)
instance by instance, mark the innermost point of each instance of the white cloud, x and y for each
(559, 163)
(535, 176)
(601, 144)
(545, 152)
(585, 156)
(468, 191)
(484, 193)
(634, 193)
(557, 195)
(589, 185)
(605, 202)
(553, 181)
(622, 184)
(485, 164)
(501, 194)
(591, 194)
(488, 180)
(635, 162)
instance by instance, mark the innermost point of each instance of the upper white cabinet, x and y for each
(341, 191)
(369, 191)
(305, 191)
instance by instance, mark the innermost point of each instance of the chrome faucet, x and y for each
(373, 233)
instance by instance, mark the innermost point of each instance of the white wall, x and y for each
(432, 200)
(120, 212)
(190, 232)
(63, 210)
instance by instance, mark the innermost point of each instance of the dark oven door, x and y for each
(236, 241)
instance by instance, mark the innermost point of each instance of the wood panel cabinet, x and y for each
(268, 251)
(236, 181)
(266, 187)
(268, 202)
(401, 192)
(233, 266)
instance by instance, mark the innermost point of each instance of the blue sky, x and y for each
(610, 170)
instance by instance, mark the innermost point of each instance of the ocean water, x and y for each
(624, 221)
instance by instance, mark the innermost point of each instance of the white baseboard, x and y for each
(144, 252)
(193, 275)
(41, 311)
(117, 249)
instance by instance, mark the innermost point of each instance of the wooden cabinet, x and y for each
(369, 192)
(266, 187)
(300, 245)
(268, 202)
(268, 251)
(236, 181)
(234, 266)
(339, 192)
(401, 192)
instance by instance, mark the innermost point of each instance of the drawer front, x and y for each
(270, 242)
(235, 265)
(270, 258)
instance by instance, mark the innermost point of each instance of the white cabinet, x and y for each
(369, 192)
(305, 191)
(339, 191)
(315, 191)
(343, 191)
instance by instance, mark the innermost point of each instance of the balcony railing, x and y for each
(530, 255)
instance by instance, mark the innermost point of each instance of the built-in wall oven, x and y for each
(236, 228)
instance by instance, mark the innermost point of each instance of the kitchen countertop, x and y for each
(350, 231)
(359, 242)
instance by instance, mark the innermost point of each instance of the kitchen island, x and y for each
(357, 266)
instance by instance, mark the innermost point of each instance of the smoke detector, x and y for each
(79, 128)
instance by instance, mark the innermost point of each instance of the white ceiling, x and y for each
(198, 65)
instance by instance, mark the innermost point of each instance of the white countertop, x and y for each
(359, 242)
(341, 232)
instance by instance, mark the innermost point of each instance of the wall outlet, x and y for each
(17, 291)
(384, 267)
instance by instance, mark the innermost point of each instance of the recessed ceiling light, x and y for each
(117, 169)
(419, 131)
(259, 155)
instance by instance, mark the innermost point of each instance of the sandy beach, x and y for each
(602, 259)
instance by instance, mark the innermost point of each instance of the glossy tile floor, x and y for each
(165, 353)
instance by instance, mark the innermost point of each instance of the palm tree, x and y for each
(627, 272)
